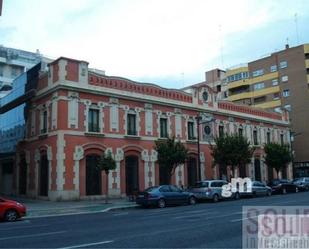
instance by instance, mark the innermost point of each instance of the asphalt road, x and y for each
(206, 225)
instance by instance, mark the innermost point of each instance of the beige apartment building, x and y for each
(277, 81)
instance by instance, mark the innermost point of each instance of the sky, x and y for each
(171, 43)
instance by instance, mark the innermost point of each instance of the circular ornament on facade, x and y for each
(207, 130)
(205, 96)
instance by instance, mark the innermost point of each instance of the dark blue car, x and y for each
(164, 195)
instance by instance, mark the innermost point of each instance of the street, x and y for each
(205, 225)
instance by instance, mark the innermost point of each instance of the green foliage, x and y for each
(106, 162)
(231, 150)
(171, 154)
(277, 156)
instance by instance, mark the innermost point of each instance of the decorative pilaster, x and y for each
(77, 156)
(114, 176)
(146, 159)
(202, 166)
(60, 156)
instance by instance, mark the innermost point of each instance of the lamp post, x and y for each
(199, 121)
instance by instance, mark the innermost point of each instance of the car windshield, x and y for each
(201, 185)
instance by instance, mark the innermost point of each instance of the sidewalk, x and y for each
(40, 208)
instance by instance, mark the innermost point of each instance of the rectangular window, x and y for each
(273, 68)
(274, 82)
(131, 124)
(191, 130)
(1, 70)
(281, 139)
(276, 96)
(268, 137)
(283, 64)
(286, 93)
(288, 107)
(163, 127)
(284, 78)
(259, 100)
(257, 73)
(259, 86)
(93, 120)
(14, 71)
(255, 140)
(221, 131)
(44, 127)
(240, 132)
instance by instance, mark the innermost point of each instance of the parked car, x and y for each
(302, 183)
(208, 190)
(283, 186)
(258, 189)
(11, 210)
(164, 195)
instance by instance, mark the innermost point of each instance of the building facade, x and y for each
(79, 114)
(14, 62)
(275, 82)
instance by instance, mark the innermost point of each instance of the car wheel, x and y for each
(296, 190)
(237, 196)
(215, 198)
(192, 200)
(268, 193)
(161, 203)
(11, 215)
(284, 191)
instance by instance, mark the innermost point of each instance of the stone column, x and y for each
(146, 159)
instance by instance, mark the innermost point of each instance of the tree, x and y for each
(106, 163)
(277, 156)
(171, 154)
(231, 150)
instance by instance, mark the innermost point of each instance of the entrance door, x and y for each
(23, 176)
(257, 169)
(192, 171)
(43, 191)
(132, 185)
(93, 175)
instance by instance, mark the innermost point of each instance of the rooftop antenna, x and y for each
(221, 45)
(296, 27)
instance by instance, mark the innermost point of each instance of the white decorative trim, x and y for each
(60, 180)
(77, 156)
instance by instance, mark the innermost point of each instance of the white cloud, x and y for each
(137, 39)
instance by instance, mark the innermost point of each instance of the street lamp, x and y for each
(199, 121)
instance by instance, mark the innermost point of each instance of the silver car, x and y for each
(258, 189)
(208, 190)
(302, 183)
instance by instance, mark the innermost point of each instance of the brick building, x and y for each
(78, 114)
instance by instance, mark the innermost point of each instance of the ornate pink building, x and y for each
(78, 114)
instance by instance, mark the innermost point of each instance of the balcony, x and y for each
(239, 83)
(307, 63)
(269, 104)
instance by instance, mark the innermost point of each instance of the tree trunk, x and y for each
(106, 182)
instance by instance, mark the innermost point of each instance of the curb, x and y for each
(84, 212)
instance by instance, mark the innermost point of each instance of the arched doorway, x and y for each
(132, 183)
(23, 176)
(191, 171)
(43, 176)
(93, 175)
(257, 169)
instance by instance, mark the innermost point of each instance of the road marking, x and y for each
(242, 219)
(207, 218)
(193, 215)
(14, 228)
(121, 214)
(32, 235)
(90, 244)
